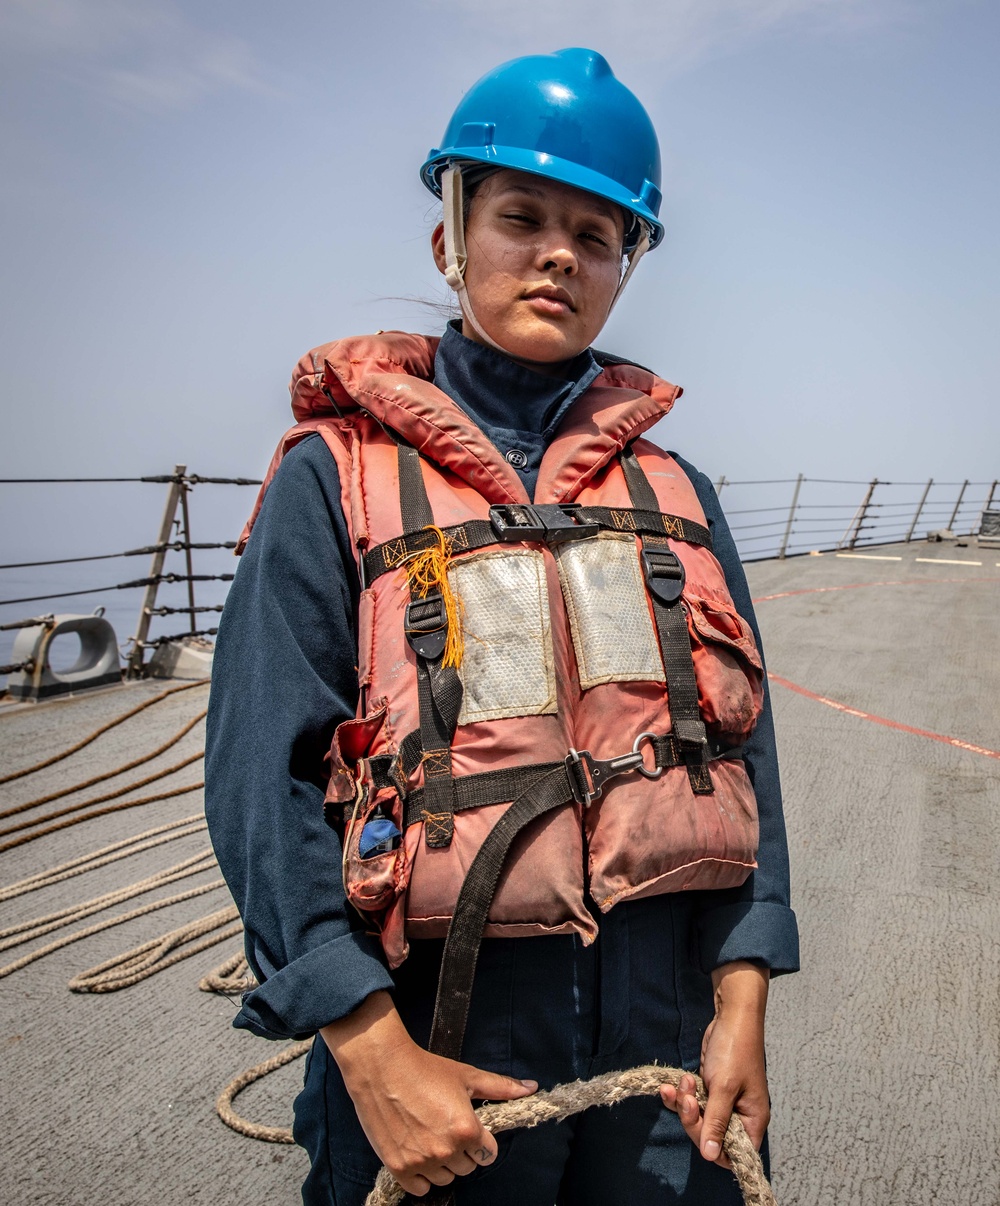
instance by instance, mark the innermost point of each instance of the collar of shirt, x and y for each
(499, 393)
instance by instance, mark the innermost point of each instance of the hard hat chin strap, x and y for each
(456, 256)
(634, 256)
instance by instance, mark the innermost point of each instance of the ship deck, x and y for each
(883, 1051)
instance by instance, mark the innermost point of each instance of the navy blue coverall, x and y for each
(545, 1008)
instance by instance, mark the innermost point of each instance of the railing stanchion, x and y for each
(850, 537)
(923, 499)
(719, 484)
(186, 520)
(986, 506)
(791, 516)
(958, 504)
(174, 493)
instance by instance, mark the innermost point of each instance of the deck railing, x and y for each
(173, 544)
(786, 517)
(770, 518)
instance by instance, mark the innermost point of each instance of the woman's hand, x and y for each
(415, 1107)
(732, 1064)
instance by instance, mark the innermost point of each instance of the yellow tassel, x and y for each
(426, 573)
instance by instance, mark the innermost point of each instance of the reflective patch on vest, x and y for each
(508, 667)
(605, 595)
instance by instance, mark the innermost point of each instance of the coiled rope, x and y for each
(155, 956)
(45, 925)
(37, 927)
(148, 703)
(111, 795)
(568, 1099)
(255, 1130)
(99, 812)
(112, 774)
(229, 978)
(107, 854)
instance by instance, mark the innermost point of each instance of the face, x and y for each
(544, 261)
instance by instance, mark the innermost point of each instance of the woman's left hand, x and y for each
(732, 1064)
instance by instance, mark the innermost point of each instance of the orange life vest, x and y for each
(600, 639)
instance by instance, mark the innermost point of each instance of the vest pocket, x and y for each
(605, 595)
(371, 882)
(727, 667)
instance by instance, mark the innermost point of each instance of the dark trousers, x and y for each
(551, 1010)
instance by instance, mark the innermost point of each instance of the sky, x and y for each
(193, 195)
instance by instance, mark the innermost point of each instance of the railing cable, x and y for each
(98, 590)
(176, 546)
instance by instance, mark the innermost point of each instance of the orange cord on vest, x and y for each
(427, 572)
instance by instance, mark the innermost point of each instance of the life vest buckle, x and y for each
(426, 626)
(664, 573)
(547, 523)
(588, 775)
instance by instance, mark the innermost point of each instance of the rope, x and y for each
(82, 982)
(254, 1130)
(144, 961)
(97, 812)
(567, 1099)
(37, 927)
(230, 978)
(111, 774)
(148, 703)
(107, 854)
(110, 795)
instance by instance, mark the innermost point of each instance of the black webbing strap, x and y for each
(439, 689)
(390, 555)
(640, 491)
(392, 770)
(648, 521)
(465, 933)
(414, 505)
(668, 751)
(488, 787)
(480, 533)
(664, 575)
(501, 786)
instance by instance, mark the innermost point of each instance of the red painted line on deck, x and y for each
(883, 720)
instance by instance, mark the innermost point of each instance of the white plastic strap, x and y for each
(455, 255)
(633, 262)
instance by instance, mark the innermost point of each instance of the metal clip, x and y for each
(637, 749)
(547, 523)
(588, 776)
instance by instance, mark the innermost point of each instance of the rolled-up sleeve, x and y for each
(283, 677)
(754, 921)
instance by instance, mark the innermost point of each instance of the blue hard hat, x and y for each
(564, 116)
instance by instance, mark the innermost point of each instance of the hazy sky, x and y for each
(194, 194)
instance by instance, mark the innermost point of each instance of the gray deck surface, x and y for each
(883, 1052)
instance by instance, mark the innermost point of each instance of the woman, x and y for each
(412, 642)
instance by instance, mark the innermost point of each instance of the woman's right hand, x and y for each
(415, 1107)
